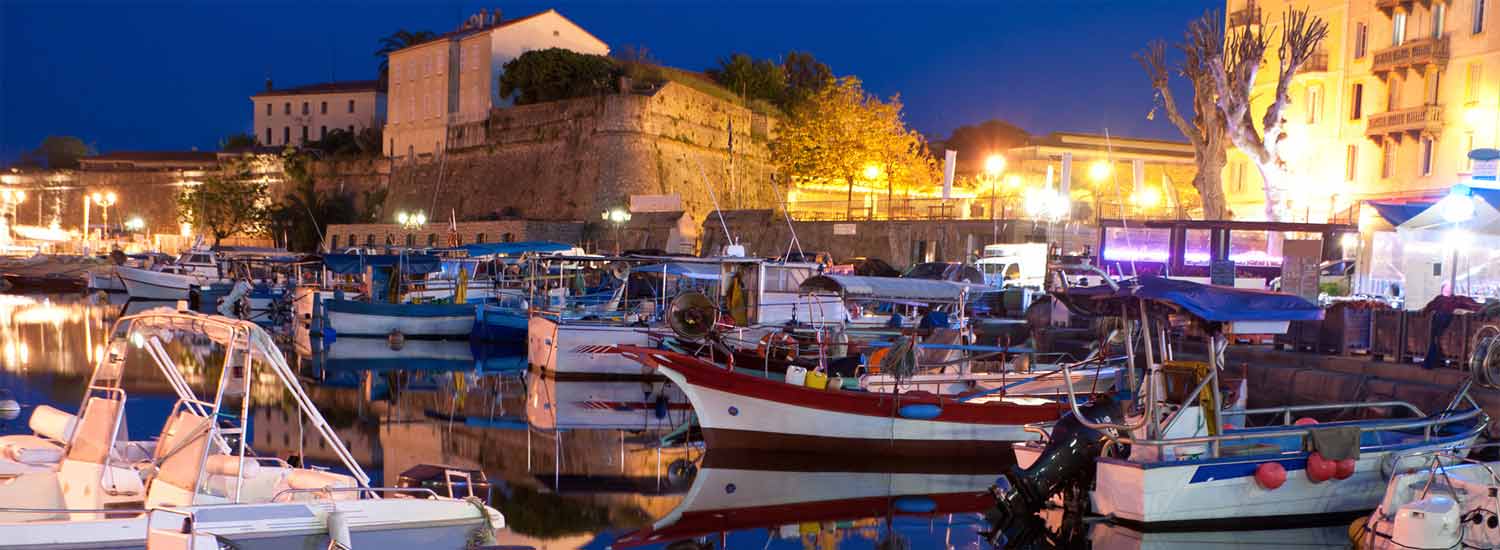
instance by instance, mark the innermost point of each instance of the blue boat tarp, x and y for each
(707, 272)
(354, 264)
(511, 249)
(1207, 302)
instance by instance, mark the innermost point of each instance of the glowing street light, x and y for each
(105, 200)
(1099, 171)
(872, 172)
(411, 221)
(618, 216)
(994, 165)
(135, 223)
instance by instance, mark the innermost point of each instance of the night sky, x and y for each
(173, 76)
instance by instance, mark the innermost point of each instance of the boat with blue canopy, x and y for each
(1172, 453)
(383, 281)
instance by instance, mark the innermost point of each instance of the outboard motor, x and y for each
(1068, 459)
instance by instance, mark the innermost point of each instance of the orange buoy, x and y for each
(1305, 421)
(1320, 469)
(1270, 475)
(1343, 468)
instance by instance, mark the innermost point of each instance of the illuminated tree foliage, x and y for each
(841, 131)
(229, 203)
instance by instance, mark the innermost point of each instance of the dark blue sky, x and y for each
(126, 75)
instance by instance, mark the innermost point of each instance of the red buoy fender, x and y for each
(1320, 469)
(1343, 468)
(1270, 475)
(1305, 421)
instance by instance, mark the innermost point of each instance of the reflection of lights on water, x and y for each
(16, 353)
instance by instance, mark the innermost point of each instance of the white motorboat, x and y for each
(146, 284)
(1434, 500)
(199, 485)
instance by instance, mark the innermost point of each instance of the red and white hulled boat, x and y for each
(745, 412)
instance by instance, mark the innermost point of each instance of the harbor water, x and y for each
(576, 463)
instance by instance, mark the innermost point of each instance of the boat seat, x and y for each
(30, 450)
(306, 480)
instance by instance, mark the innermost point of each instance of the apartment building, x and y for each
(293, 116)
(454, 78)
(1387, 109)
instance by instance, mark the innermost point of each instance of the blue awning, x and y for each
(511, 249)
(1207, 302)
(1396, 213)
(707, 272)
(355, 263)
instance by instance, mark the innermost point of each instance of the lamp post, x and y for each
(617, 216)
(105, 200)
(994, 165)
(411, 222)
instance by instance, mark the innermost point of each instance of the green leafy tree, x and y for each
(805, 75)
(304, 213)
(229, 203)
(236, 141)
(57, 152)
(841, 131)
(398, 40)
(554, 74)
(751, 78)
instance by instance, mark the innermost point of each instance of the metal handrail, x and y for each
(330, 490)
(1300, 408)
(1437, 419)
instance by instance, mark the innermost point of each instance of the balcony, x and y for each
(1316, 63)
(1248, 15)
(1414, 54)
(1389, 6)
(1424, 120)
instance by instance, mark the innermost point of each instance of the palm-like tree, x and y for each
(398, 40)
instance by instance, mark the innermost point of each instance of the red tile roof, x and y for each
(326, 88)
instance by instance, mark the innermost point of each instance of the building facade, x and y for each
(436, 233)
(454, 79)
(1388, 108)
(294, 116)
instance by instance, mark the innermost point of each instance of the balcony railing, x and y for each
(1389, 6)
(1248, 15)
(1316, 63)
(1416, 53)
(1427, 119)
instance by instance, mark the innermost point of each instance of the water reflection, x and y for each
(577, 463)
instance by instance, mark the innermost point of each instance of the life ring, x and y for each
(779, 346)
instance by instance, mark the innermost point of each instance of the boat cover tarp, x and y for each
(511, 249)
(891, 288)
(707, 272)
(1207, 302)
(415, 264)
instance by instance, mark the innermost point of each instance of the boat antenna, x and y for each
(728, 240)
(786, 209)
(1109, 152)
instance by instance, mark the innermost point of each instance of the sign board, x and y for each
(1221, 272)
(950, 159)
(1486, 164)
(1299, 267)
(655, 203)
(844, 228)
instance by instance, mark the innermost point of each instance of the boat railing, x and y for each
(329, 491)
(1215, 441)
(1287, 411)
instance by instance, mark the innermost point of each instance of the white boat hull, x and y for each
(358, 324)
(155, 285)
(568, 348)
(106, 280)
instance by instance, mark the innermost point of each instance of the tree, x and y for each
(554, 74)
(228, 203)
(57, 152)
(1206, 129)
(304, 213)
(841, 130)
(805, 75)
(1233, 68)
(236, 141)
(398, 40)
(759, 79)
(976, 142)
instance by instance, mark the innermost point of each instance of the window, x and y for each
(351, 129)
(1351, 162)
(1398, 28)
(1387, 158)
(1472, 74)
(1433, 77)
(507, 238)
(304, 108)
(432, 239)
(411, 240)
(1427, 153)
(269, 109)
(351, 105)
(479, 238)
(304, 134)
(1393, 93)
(1357, 102)
(1478, 26)
(286, 108)
(1314, 103)
(323, 108)
(1361, 39)
(1439, 18)
(333, 242)
(369, 239)
(269, 139)
(323, 132)
(286, 135)
(390, 239)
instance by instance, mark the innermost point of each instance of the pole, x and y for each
(994, 222)
(86, 205)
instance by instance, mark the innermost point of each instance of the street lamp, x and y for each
(411, 221)
(994, 165)
(135, 223)
(1099, 171)
(618, 216)
(105, 200)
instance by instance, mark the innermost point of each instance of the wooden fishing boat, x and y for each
(746, 412)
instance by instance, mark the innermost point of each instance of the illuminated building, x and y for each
(293, 116)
